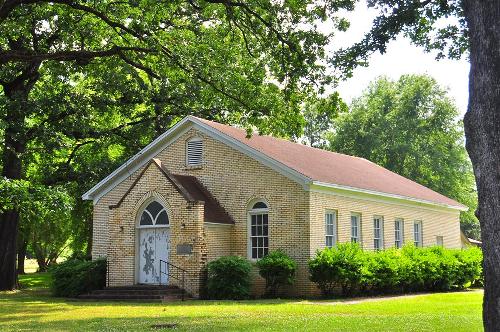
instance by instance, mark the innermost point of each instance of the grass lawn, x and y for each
(33, 309)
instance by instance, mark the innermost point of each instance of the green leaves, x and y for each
(395, 270)
(340, 266)
(229, 278)
(437, 26)
(319, 116)
(34, 201)
(75, 277)
(278, 269)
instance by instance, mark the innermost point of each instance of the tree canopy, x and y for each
(86, 84)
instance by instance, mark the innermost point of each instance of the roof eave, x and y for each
(388, 195)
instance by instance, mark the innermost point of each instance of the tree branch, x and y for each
(82, 55)
(138, 65)
(253, 13)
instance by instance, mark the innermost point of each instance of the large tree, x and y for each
(410, 126)
(74, 73)
(455, 27)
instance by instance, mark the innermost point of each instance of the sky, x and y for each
(401, 58)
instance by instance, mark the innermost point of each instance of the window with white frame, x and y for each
(331, 228)
(194, 151)
(378, 232)
(259, 231)
(439, 241)
(398, 233)
(355, 227)
(417, 233)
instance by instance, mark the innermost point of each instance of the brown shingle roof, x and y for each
(191, 189)
(214, 212)
(334, 168)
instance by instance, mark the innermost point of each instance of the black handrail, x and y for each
(107, 272)
(169, 273)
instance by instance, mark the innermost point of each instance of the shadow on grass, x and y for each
(34, 280)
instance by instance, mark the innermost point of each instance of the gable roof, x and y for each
(191, 189)
(305, 165)
(326, 167)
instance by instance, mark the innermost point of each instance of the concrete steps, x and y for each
(151, 293)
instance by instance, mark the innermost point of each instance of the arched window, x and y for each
(259, 230)
(154, 214)
(194, 151)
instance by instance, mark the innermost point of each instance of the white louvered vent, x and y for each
(194, 151)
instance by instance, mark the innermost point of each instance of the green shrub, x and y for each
(422, 268)
(340, 266)
(278, 269)
(229, 278)
(75, 277)
(439, 269)
(382, 273)
(409, 269)
(471, 267)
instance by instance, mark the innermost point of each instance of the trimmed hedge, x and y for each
(409, 269)
(278, 269)
(229, 278)
(75, 277)
(340, 266)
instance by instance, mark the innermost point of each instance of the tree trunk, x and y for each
(9, 219)
(15, 144)
(8, 248)
(482, 131)
(21, 256)
(40, 256)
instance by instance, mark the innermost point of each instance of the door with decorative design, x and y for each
(153, 245)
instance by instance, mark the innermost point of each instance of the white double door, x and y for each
(154, 249)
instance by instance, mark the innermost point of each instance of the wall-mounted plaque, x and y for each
(184, 249)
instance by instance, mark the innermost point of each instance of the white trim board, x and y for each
(216, 224)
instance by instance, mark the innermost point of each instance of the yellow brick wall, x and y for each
(218, 238)
(185, 223)
(435, 221)
(236, 181)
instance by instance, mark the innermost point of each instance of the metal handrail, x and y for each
(107, 272)
(179, 270)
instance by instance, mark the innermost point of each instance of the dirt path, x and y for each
(378, 298)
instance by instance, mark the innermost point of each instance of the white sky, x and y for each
(401, 58)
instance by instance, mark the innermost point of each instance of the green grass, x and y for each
(34, 280)
(33, 309)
